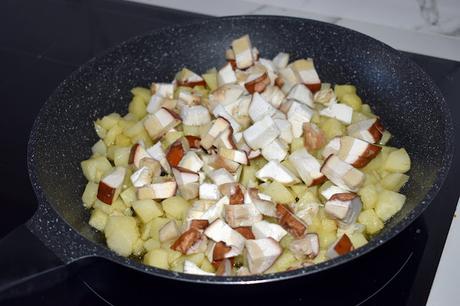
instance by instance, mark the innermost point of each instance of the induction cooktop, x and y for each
(41, 42)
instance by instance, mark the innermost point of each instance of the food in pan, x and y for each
(256, 167)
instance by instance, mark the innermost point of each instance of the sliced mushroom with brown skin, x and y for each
(370, 130)
(332, 147)
(160, 190)
(160, 122)
(307, 246)
(219, 125)
(194, 142)
(344, 207)
(163, 89)
(342, 174)
(152, 165)
(261, 254)
(221, 231)
(188, 78)
(234, 191)
(357, 152)
(307, 167)
(242, 51)
(245, 231)
(186, 240)
(302, 94)
(289, 221)
(262, 202)
(176, 152)
(264, 229)
(191, 268)
(136, 154)
(306, 73)
(141, 177)
(257, 84)
(191, 161)
(241, 215)
(341, 246)
(297, 115)
(273, 170)
(110, 186)
(199, 224)
(156, 152)
(234, 155)
(261, 133)
(225, 268)
(259, 108)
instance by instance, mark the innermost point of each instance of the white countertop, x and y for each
(429, 27)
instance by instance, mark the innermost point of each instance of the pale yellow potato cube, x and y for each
(137, 107)
(321, 257)
(326, 238)
(123, 141)
(129, 195)
(90, 194)
(94, 168)
(99, 148)
(248, 176)
(398, 161)
(370, 219)
(121, 233)
(279, 193)
(109, 121)
(176, 206)
(196, 258)
(112, 134)
(134, 129)
(389, 203)
(172, 255)
(328, 225)
(151, 244)
(352, 100)
(299, 190)
(156, 225)
(98, 219)
(283, 262)
(157, 258)
(297, 143)
(211, 80)
(145, 229)
(207, 266)
(121, 156)
(332, 128)
(341, 90)
(147, 209)
(142, 92)
(358, 240)
(394, 181)
(138, 248)
(368, 196)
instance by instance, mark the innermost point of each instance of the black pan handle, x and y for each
(26, 265)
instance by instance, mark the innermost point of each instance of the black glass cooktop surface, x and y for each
(41, 42)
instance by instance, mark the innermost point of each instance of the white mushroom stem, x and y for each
(165, 90)
(261, 133)
(297, 115)
(220, 111)
(357, 152)
(141, 177)
(264, 229)
(209, 192)
(191, 161)
(234, 155)
(370, 130)
(260, 108)
(161, 190)
(273, 170)
(156, 152)
(261, 201)
(219, 125)
(344, 207)
(281, 60)
(341, 112)
(307, 246)
(221, 231)
(226, 75)
(261, 254)
(307, 167)
(302, 94)
(285, 128)
(160, 122)
(215, 211)
(110, 186)
(342, 174)
(276, 150)
(331, 148)
(242, 50)
(221, 176)
(195, 115)
(241, 215)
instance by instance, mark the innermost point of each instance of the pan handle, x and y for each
(26, 265)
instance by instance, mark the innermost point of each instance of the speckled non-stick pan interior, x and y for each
(410, 105)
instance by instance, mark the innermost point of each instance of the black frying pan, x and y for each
(410, 105)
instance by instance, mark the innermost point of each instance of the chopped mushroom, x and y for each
(241, 215)
(186, 240)
(191, 268)
(341, 246)
(281, 60)
(242, 50)
(342, 174)
(259, 108)
(370, 130)
(289, 221)
(195, 115)
(219, 125)
(136, 154)
(276, 150)
(314, 137)
(341, 112)
(221, 231)
(306, 73)
(302, 94)
(331, 148)
(161, 190)
(157, 153)
(273, 170)
(297, 115)
(209, 192)
(261, 254)
(262, 202)
(165, 90)
(261, 133)
(307, 246)
(176, 152)
(307, 167)
(141, 177)
(357, 152)
(110, 185)
(188, 78)
(191, 161)
(264, 229)
(160, 122)
(226, 75)
(344, 207)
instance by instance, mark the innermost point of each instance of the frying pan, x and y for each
(409, 103)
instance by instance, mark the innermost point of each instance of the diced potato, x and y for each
(368, 196)
(176, 206)
(121, 233)
(121, 156)
(299, 190)
(151, 244)
(207, 266)
(94, 168)
(316, 118)
(286, 241)
(172, 255)
(191, 130)
(98, 219)
(315, 225)
(109, 121)
(129, 195)
(358, 116)
(138, 248)
(297, 143)
(366, 109)
(332, 128)
(321, 257)
(370, 219)
(134, 130)
(341, 90)
(388, 204)
(394, 181)
(89, 195)
(378, 162)
(248, 176)
(170, 138)
(258, 162)
(196, 258)
(398, 161)
(123, 140)
(289, 166)
(328, 225)
(156, 225)
(144, 137)
(178, 264)
(358, 240)
(99, 148)
(142, 92)
(385, 138)
(352, 100)
(112, 135)
(145, 230)
(137, 107)
(211, 80)
(326, 238)
(157, 258)
(283, 262)
(279, 193)
(147, 209)
(100, 131)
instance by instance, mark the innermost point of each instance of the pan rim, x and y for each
(103, 251)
